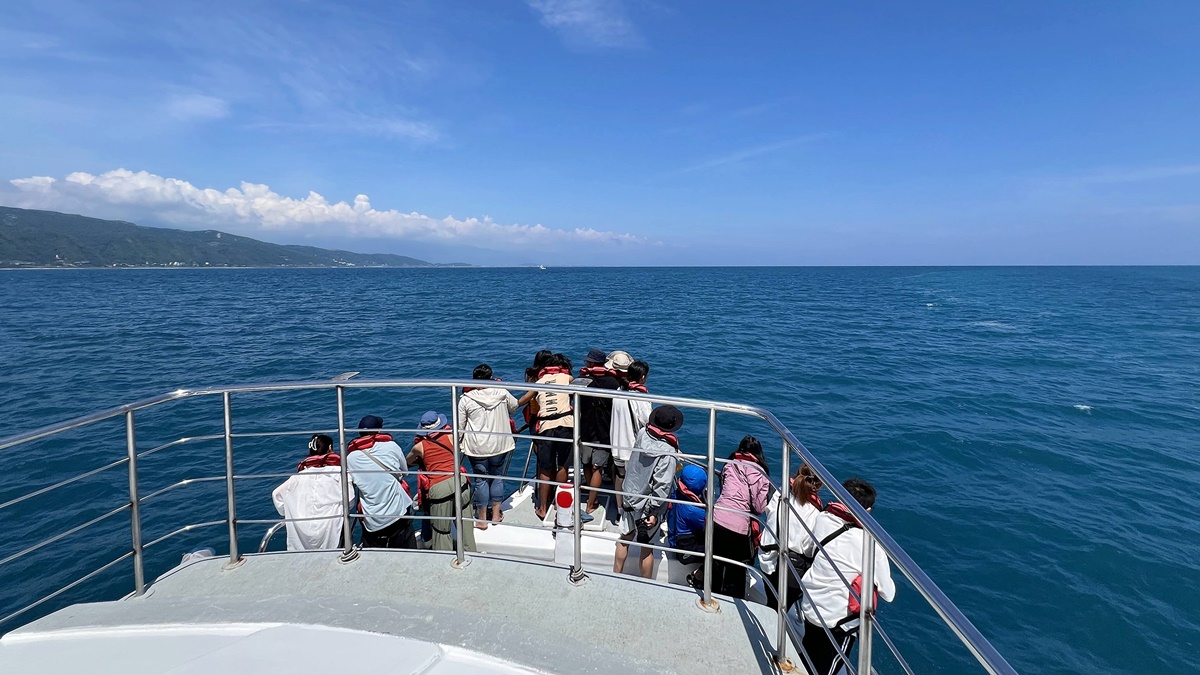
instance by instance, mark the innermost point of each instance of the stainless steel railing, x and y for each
(983, 652)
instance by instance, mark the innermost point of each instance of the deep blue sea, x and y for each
(1034, 433)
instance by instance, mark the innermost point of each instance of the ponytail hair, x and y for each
(806, 485)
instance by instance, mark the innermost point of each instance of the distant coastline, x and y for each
(32, 239)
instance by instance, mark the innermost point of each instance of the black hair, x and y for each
(862, 491)
(560, 360)
(752, 446)
(638, 370)
(531, 374)
(542, 359)
(482, 372)
(320, 444)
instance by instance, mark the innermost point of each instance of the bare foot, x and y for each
(481, 526)
(540, 513)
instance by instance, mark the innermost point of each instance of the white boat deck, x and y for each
(526, 614)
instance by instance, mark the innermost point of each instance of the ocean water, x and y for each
(1033, 432)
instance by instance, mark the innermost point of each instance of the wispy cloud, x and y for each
(251, 208)
(1119, 175)
(750, 153)
(340, 67)
(394, 128)
(589, 23)
(188, 107)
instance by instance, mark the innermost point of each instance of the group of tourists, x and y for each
(626, 440)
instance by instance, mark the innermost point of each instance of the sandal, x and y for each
(481, 526)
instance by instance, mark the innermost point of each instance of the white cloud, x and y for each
(188, 107)
(254, 207)
(598, 23)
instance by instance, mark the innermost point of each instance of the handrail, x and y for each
(963, 629)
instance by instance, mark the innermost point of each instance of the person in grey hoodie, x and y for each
(485, 415)
(649, 477)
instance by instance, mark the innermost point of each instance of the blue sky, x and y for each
(621, 131)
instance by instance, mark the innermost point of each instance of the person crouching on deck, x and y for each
(649, 477)
(433, 451)
(311, 501)
(377, 466)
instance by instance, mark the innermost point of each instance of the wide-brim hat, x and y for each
(619, 361)
(432, 420)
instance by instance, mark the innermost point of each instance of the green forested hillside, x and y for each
(46, 238)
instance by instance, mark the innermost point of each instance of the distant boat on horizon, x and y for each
(541, 267)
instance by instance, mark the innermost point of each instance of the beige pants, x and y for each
(441, 500)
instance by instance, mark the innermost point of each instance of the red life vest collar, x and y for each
(552, 370)
(663, 436)
(683, 490)
(838, 509)
(327, 459)
(637, 386)
(597, 371)
(434, 436)
(748, 458)
(367, 442)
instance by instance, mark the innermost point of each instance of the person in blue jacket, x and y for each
(685, 522)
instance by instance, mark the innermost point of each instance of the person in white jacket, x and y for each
(315, 492)
(485, 415)
(799, 515)
(628, 418)
(828, 603)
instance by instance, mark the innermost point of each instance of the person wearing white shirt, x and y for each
(798, 514)
(628, 418)
(311, 501)
(828, 603)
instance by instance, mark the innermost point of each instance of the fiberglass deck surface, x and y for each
(526, 613)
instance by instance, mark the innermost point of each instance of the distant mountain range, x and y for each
(49, 239)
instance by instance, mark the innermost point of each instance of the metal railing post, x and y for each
(577, 576)
(349, 553)
(782, 525)
(866, 604)
(230, 497)
(706, 599)
(135, 514)
(460, 555)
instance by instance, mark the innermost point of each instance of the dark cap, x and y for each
(596, 356)
(370, 422)
(666, 417)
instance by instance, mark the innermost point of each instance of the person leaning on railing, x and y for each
(828, 603)
(798, 514)
(311, 501)
(433, 451)
(486, 416)
(745, 488)
(555, 423)
(628, 418)
(649, 475)
(377, 465)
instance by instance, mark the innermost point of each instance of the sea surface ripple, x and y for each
(1032, 431)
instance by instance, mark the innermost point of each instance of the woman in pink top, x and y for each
(745, 490)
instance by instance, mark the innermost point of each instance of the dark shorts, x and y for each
(554, 454)
(597, 457)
